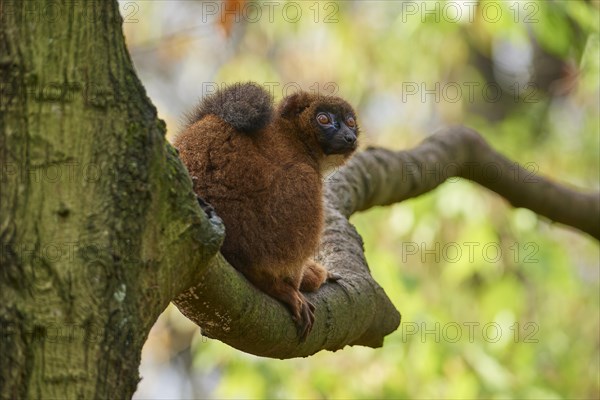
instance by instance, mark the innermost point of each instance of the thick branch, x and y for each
(230, 309)
(383, 177)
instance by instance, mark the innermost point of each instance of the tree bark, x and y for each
(92, 198)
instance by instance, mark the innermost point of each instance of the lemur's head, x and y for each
(327, 121)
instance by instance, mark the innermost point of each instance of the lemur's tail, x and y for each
(245, 106)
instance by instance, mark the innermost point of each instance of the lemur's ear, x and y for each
(293, 105)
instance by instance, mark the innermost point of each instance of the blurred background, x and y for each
(495, 302)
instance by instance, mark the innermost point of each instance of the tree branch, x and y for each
(230, 309)
(383, 177)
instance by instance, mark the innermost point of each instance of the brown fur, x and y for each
(266, 186)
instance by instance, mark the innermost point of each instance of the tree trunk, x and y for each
(91, 196)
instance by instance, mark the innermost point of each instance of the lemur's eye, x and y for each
(350, 122)
(323, 118)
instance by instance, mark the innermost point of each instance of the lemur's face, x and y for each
(329, 120)
(338, 131)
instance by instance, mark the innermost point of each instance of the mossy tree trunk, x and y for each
(91, 195)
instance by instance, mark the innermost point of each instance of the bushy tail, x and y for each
(246, 106)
